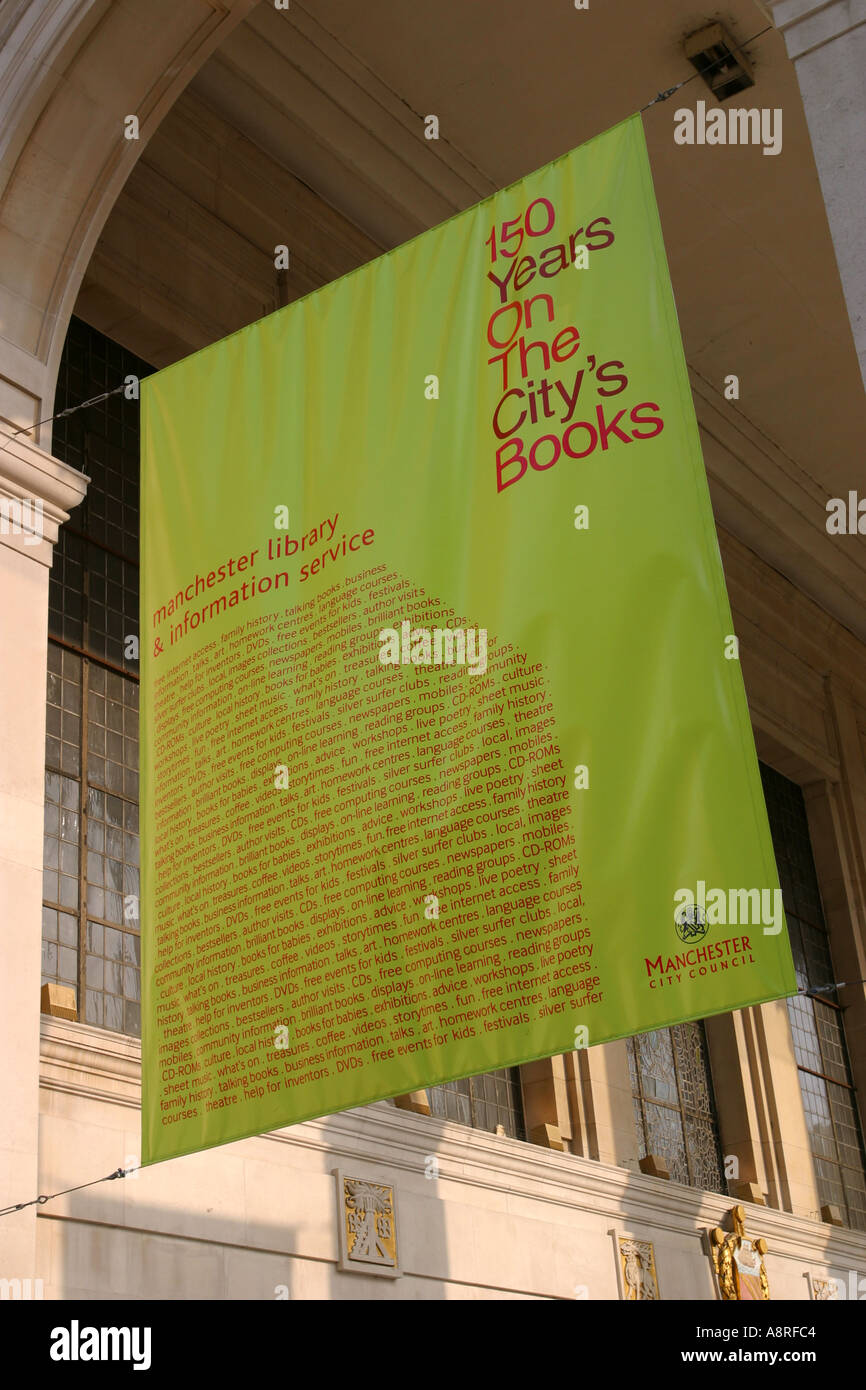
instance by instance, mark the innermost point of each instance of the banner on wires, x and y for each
(447, 763)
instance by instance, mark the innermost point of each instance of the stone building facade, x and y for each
(593, 1175)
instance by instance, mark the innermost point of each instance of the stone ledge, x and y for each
(95, 1064)
(28, 472)
(809, 24)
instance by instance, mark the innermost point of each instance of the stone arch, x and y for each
(70, 71)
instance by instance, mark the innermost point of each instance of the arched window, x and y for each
(674, 1106)
(90, 921)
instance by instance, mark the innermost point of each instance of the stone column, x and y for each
(827, 43)
(36, 494)
(759, 1106)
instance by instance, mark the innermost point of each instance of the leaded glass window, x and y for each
(817, 1021)
(483, 1102)
(90, 922)
(674, 1106)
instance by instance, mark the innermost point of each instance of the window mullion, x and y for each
(82, 845)
(681, 1105)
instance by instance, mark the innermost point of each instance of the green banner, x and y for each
(447, 763)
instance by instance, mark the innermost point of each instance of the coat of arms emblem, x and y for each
(739, 1261)
(367, 1226)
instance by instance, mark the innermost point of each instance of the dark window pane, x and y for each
(817, 1024)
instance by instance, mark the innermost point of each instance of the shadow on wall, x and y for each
(255, 1220)
(258, 1221)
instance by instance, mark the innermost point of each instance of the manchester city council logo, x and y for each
(691, 923)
